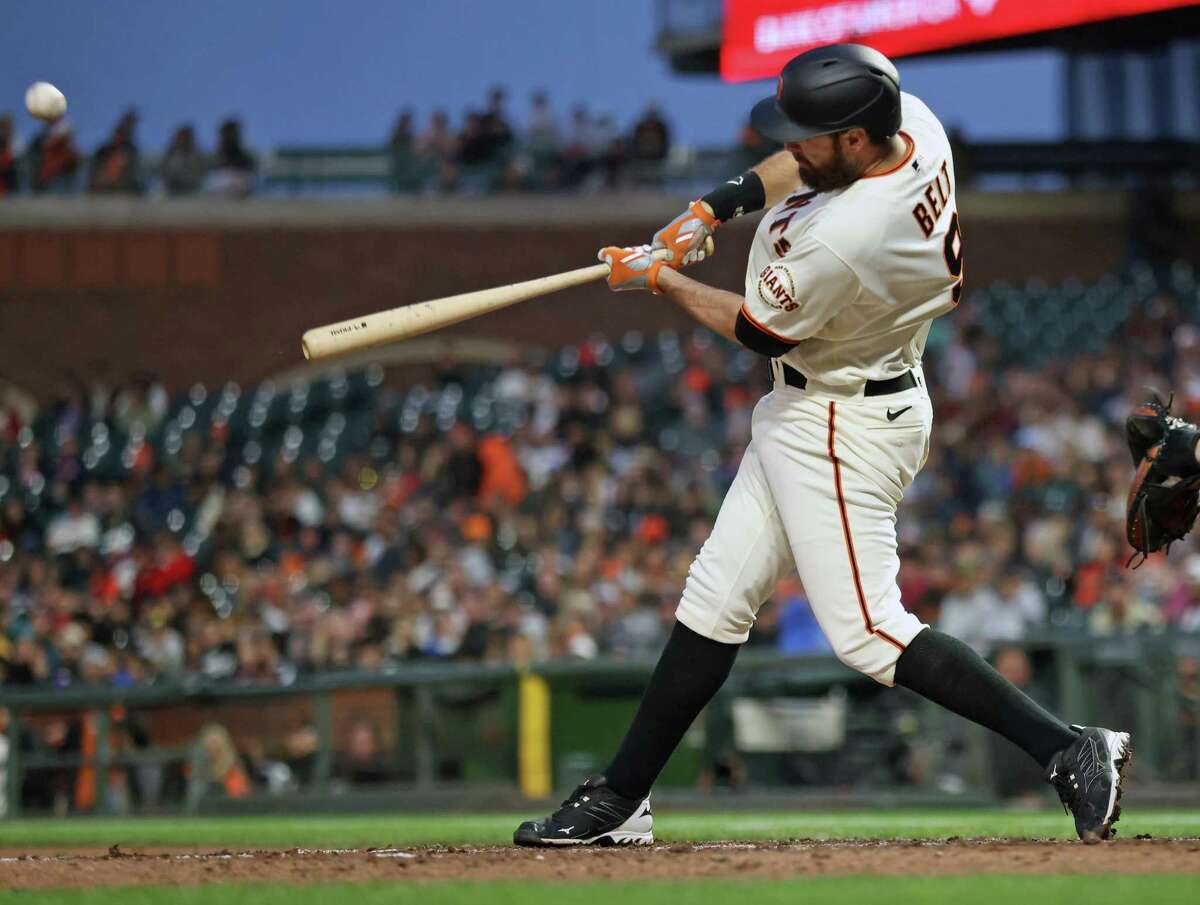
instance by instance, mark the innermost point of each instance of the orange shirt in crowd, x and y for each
(502, 473)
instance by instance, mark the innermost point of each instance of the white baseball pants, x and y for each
(817, 489)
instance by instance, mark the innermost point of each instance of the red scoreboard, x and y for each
(759, 36)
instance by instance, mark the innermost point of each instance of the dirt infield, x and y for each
(118, 867)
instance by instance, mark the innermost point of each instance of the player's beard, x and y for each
(837, 174)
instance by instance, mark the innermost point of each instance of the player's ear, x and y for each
(854, 139)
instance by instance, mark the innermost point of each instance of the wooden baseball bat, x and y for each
(425, 317)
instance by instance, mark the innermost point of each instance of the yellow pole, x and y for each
(533, 736)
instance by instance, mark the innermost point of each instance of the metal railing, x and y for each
(323, 171)
(1145, 683)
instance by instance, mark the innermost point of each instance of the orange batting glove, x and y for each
(634, 267)
(688, 238)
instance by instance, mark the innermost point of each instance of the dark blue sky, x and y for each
(336, 71)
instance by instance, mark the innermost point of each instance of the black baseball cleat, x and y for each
(1087, 776)
(593, 815)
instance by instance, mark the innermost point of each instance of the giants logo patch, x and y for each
(776, 288)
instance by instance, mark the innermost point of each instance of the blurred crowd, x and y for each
(52, 163)
(544, 509)
(486, 150)
(567, 534)
(489, 152)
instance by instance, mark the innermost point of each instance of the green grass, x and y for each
(1095, 890)
(416, 829)
(427, 829)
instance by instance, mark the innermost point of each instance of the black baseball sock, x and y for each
(947, 672)
(689, 672)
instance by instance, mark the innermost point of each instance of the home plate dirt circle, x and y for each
(119, 866)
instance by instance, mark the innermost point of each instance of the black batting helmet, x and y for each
(829, 89)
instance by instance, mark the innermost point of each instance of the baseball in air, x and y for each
(45, 102)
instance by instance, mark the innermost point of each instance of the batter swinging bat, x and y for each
(425, 317)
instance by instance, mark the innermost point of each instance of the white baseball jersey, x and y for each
(853, 277)
(847, 282)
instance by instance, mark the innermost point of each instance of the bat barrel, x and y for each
(336, 339)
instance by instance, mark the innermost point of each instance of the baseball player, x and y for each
(860, 249)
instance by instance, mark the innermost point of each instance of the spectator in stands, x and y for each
(72, 529)
(437, 151)
(52, 788)
(141, 405)
(484, 149)
(475, 145)
(233, 167)
(300, 745)
(437, 139)
(799, 632)
(611, 150)
(125, 735)
(5, 756)
(1182, 606)
(541, 132)
(651, 140)
(752, 148)
(8, 157)
(1122, 610)
(17, 408)
(566, 535)
(158, 643)
(184, 165)
(638, 632)
(115, 165)
(1187, 684)
(500, 471)
(595, 152)
(981, 610)
(576, 641)
(258, 658)
(580, 150)
(538, 164)
(6, 656)
(407, 174)
(494, 123)
(30, 664)
(402, 138)
(363, 762)
(1021, 604)
(53, 159)
(1013, 775)
(1189, 619)
(216, 767)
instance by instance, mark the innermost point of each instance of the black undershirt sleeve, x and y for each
(758, 340)
(744, 194)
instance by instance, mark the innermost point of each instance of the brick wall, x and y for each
(213, 301)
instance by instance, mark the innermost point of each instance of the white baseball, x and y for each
(45, 102)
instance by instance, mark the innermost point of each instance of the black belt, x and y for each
(905, 381)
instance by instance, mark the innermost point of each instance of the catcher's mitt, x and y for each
(1165, 497)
